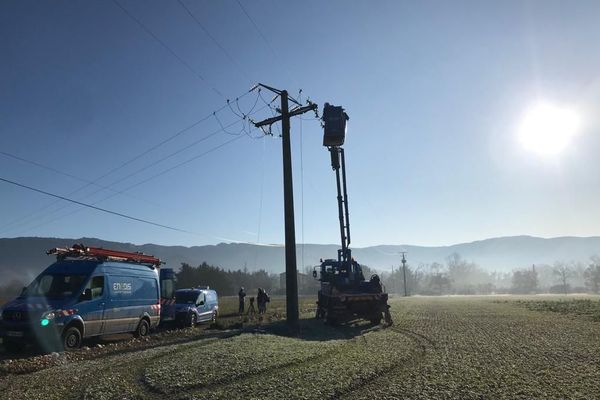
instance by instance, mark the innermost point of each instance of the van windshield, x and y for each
(186, 297)
(56, 286)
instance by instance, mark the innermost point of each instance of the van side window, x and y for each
(97, 286)
(167, 288)
(201, 299)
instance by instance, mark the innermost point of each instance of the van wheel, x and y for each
(71, 339)
(193, 320)
(142, 330)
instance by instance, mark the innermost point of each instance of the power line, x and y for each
(189, 160)
(170, 138)
(124, 164)
(158, 161)
(180, 150)
(111, 171)
(140, 183)
(163, 44)
(132, 174)
(59, 172)
(186, 147)
(260, 204)
(92, 206)
(233, 61)
(256, 27)
(301, 182)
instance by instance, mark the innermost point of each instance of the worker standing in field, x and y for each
(241, 297)
(259, 300)
(262, 299)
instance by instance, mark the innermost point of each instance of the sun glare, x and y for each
(547, 129)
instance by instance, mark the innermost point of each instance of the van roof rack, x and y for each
(98, 253)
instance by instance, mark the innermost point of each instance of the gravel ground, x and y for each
(450, 348)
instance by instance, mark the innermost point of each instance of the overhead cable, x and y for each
(92, 206)
(163, 44)
(233, 61)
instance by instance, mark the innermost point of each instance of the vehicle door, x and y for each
(202, 307)
(91, 305)
(211, 301)
(117, 318)
(167, 295)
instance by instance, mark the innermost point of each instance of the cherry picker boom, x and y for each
(344, 292)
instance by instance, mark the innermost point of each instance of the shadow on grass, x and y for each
(316, 330)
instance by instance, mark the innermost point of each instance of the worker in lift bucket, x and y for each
(241, 297)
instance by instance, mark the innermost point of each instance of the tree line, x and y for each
(455, 276)
(459, 276)
(225, 282)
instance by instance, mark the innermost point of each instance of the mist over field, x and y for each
(499, 265)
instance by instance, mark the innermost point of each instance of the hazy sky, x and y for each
(436, 92)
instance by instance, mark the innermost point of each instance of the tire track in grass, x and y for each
(250, 374)
(35, 362)
(131, 369)
(359, 359)
(489, 351)
(363, 384)
(239, 361)
(77, 377)
(217, 385)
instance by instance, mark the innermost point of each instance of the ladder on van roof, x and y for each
(81, 251)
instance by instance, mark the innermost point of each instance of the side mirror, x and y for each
(201, 303)
(86, 295)
(315, 273)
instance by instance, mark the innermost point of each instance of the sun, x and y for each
(548, 129)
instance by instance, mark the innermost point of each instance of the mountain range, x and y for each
(24, 257)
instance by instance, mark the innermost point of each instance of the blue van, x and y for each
(196, 305)
(88, 295)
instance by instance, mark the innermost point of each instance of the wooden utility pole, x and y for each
(404, 272)
(291, 272)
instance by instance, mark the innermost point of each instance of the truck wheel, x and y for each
(71, 339)
(388, 318)
(143, 329)
(320, 313)
(330, 318)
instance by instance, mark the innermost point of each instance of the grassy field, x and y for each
(228, 305)
(449, 347)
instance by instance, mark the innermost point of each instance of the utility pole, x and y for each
(291, 273)
(404, 272)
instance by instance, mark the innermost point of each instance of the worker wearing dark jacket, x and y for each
(241, 296)
(262, 299)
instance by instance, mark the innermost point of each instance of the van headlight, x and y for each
(47, 317)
